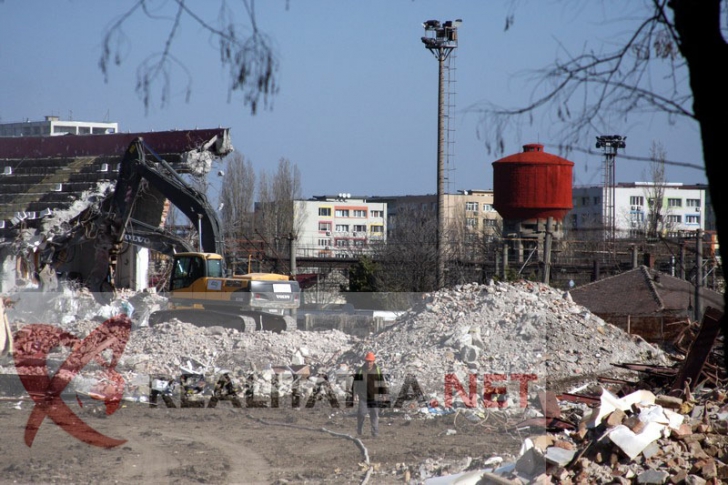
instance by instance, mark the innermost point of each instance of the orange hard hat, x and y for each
(370, 357)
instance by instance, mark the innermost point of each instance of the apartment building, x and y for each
(671, 208)
(471, 209)
(477, 207)
(54, 126)
(338, 226)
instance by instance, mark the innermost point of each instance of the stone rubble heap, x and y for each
(163, 348)
(502, 328)
(499, 328)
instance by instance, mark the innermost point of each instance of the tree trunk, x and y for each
(702, 45)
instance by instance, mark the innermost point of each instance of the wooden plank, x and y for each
(689, 374)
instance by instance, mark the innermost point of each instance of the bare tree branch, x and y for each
(247, 53)
(573, 95)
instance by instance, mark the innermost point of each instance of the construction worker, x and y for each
(371, 388)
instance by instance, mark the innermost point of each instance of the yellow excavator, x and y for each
(249, 302)
(199, 290)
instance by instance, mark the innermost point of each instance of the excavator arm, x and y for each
(161, 240)
(136, 167)
(112, 224)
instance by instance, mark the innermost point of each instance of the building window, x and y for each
(487, 207)
(637, 200)
(342, 213)
(376, 213)
(342, 227)
(65, 129)
(471, 222)
(674, 218)
(692, 202)
(471, 206)
(597, 200)
(360, 213)
(360, 228)
(359, 243)
(674, 202)
(325, 211)
(342, 243)
(324, 242)
(585, 201)
(692, 219)
(377, 229)
(488, 222)
(324, 226)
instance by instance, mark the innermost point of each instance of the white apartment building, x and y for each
(54, 126)
(339, 226)
(681, 208)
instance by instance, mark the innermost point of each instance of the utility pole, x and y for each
(292, 252)
(441, 39)
(547, 250)
(698, 274)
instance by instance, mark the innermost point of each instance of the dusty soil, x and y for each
(236, 445)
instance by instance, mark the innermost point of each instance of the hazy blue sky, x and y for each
(357, 108)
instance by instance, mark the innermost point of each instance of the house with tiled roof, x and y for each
(646, 302)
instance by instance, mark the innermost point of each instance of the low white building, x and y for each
(340, 226)
(673, 208)
(54, 126)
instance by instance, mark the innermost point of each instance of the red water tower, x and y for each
(532, 185)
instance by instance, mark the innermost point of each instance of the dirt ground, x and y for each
(237, 445)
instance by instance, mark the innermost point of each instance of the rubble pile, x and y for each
(652, 434)
(161, 349)
(499, 328)
(502, 328)
(640, 438)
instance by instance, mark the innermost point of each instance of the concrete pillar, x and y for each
(141, 269)
(7, 270)
(132, 268)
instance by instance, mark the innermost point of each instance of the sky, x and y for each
(357, 107)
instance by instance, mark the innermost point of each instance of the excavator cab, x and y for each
(200, 293)
(189, 267)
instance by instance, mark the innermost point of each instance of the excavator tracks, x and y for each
(243, 322)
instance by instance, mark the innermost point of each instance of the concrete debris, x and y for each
(56, 224)
(653, 446)
(478, 339)
(501, 329)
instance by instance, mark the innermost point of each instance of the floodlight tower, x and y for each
(609, 145)
(441, 39)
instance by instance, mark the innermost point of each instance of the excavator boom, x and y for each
(199, 291)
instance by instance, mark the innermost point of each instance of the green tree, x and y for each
(362, 283)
